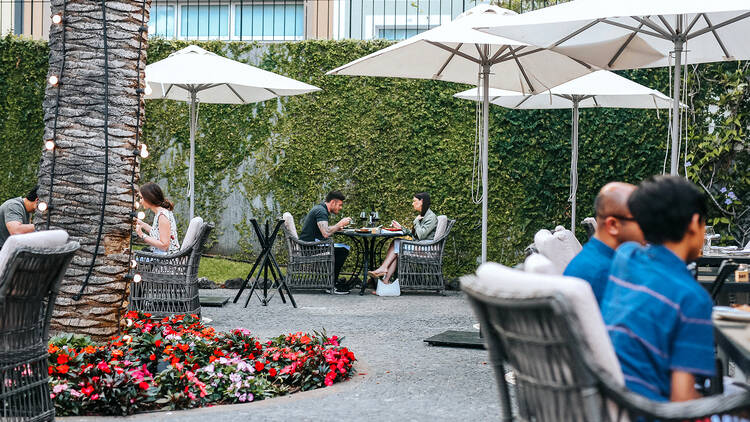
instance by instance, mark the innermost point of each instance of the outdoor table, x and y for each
(706, 279)
(733, 338)
(368, 241)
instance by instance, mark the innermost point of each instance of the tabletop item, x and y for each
(709, 236)
(741, 274)
(726, 312)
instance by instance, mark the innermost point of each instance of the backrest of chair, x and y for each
(589, 224)
(540, 325)
(442, 224)
(539, 264)
(560, 247)
(192, 233)
(29, 283)
(289, 227)
(199, 245)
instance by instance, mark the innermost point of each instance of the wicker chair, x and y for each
(31, 269)
(169, 283)
(420, 263)
(589, 224)
(310, 263)
(545, 330)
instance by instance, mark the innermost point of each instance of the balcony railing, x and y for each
(273, 20)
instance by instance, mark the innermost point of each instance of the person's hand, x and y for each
(419, 217)
(139, 231)
(395, 224)
(345, 221)
(139, 223)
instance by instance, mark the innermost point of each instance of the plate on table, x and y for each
(362, 230)
(726, 312)
(391, 229)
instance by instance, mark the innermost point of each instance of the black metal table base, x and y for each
(265, 263)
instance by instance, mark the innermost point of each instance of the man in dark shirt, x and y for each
(316, 228)
(15, 215)
(615, 225)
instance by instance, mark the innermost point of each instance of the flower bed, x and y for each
(179, 363)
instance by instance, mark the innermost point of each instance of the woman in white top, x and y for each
(162, 234)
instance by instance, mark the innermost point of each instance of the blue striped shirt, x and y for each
(658, 318)
(592, 264)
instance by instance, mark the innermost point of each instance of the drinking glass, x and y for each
(710, 234)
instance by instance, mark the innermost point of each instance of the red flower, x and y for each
(152, 357)
(51, 370)
(304, 339)
(272, 372)
(157, 343)
(87, 390)
(63, 358)
(63, 369)
(259, 365)
(143, 385)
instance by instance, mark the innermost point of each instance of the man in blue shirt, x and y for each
(657, 315)
(614, 226)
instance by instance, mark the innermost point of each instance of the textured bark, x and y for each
(79, 169)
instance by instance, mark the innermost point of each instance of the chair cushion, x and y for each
(590, 220)
(289, 225)
(539, 264)
(559, 247)
(442, 224)
(497, 280)
(192, 233)
(37, 240)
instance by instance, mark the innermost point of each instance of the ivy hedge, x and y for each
(379, 140)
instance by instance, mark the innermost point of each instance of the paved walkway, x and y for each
(400, 376)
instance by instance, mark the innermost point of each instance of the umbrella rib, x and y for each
(481, 54)
(168, 89)
(651, 24)
(499, 51)
(667, 25)
(237, 94)
(720, 25)
(526, 98)
(692, 24)
(576, 32)
(453, 50)
(442, 68)
(632, 28)
(271, 91)
(520, 67)
(622, 47)
(716, 35)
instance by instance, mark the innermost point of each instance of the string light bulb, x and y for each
(129, 322)
(137, 278)
(42, 207)
(148, 90)
(141, 215)
(144, 151)
(53, 80)
(127, 338)
(136, 205)
(133, 263)
(57, 19)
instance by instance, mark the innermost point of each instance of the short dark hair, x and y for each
(335, 194)
(32, 195)
(425, 198)
(664, 206)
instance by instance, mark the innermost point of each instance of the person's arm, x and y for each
(144, 226)
(14, 220)
(162, 242)
(327, 231)
(424, 226)
(683, 387)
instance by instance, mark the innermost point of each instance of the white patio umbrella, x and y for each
(615, 34)
(199, 76)
(598, 89)
(455, 52)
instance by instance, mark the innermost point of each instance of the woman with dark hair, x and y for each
(162, 233)
(424, 229)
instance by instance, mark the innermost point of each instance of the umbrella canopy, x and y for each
(456, 52)
(199, 76)
(598, 89)
(637, 34)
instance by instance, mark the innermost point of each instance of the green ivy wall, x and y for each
(378, 140)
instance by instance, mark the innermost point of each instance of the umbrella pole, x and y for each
(574, 165)
(485, 147)
(191, 167)
(678, 47)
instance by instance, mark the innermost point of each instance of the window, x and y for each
(270, 21)
(162, 21)
(399, 33)
(204, 21)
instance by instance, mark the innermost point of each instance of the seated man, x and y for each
(15, 214)
(614, 226)
(315, 228)
(657, 315)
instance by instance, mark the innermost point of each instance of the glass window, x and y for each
(162, 21)
(204, 21)
(269, 21)
(399, 33)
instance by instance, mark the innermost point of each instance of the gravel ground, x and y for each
(399, 376)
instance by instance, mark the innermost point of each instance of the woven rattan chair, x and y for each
(420, 263)
(560, 356)
(169, 283)
(30, 276)
(310, 263)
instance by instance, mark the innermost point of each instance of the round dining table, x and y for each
(369, 240)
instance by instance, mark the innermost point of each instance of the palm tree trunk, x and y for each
(96, 91)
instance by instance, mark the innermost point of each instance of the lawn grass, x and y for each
(221, 270)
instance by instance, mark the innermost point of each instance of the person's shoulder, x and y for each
(13, 203)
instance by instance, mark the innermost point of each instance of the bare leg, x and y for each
(389, 258)
(391, 271)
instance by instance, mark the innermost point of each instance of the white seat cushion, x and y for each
(289, 225)
(497, 280)
(192, 233)
(560, 247)
(442, 224)
(37, 240)
(539, 264)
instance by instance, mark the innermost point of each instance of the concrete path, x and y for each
(400, 377)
